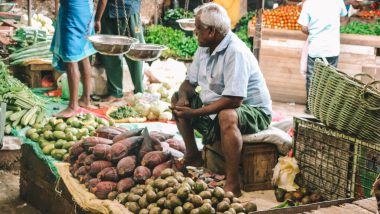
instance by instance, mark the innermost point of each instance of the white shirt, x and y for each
(231, 70)
(322, 17)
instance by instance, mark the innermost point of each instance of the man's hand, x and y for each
(184, 112)
(183, 101)
(97, 26)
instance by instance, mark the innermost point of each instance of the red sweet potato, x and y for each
(154, 158)
(81, 158)
(89, 159)
(108, 174)
(141, 174)
(85, 178)
(73, 168)
(121, 129)
(98, 166)
(177, 144)
(179, 164)
(127, 134)
(158, 169)
(125, 184)
(101, 151)
(126, 166)
(147, 145)
(80, 172)
(132, 143)
(76, 149)
(160, 136)
(103, 188)
(92, 141)
(173, 152)
(108, 132)
(91, 184)
(118, 151)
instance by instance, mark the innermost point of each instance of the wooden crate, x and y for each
(40, 188)
(258, 163)
(32, 74)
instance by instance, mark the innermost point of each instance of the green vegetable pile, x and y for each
(178, 13)
(27, 36)
(23, 107)
(37, 51)
(242, 28)
(180, 46)
(124, 112)
(357, 27)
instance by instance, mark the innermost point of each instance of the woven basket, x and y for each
(345, 103)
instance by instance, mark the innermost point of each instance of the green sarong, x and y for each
(251, 120)
(114, 64)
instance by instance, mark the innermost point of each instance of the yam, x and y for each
(125, 184)
(154, 158)
(173, 152)
(141, 174)
(108, 132)
(126, 166)
(98, 166)
(118, 151)
(92, 141)
(76, 149)
(80, 172)
(127, 134)
(81, 158)
(103, 188)
(177, 144)
(147, 145)
(101, 151)
(85, 178)
(132, 143)
(89, 160)
(108, 174)
(158, 169)
(160, 136)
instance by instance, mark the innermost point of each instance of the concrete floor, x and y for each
(10, 202)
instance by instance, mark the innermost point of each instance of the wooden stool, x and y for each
(32, 74)
(257, 163)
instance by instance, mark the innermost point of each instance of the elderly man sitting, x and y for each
(233, 98)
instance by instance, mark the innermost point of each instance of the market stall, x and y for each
(281, 49)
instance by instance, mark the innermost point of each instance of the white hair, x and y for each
(214, 15)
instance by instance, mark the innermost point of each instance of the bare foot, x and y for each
(234, 187)
(68, 112)
(111, 99)
(86, 104)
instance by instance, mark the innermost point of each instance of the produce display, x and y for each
(356, 27)
(125, 114)
(283, 17)
(40, 22)
(301, 196)
(38, 52)
(177, 13)
(179, 45)
(368, 14)
(58, 135)
(141, 169)
(149, 106)
(23, 107)
(242, 28)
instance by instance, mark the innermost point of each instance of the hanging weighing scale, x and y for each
(189, 23)
(120, 44)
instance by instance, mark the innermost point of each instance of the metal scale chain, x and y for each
(125, 16)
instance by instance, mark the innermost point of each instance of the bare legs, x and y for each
(85, 100)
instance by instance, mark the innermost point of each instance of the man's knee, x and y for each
(174, 99)
(228, 118)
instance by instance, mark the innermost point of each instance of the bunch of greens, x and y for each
(25, 37)
(357, 27)
(242, 28)
(178, 13)
(180, 46)
(124, 112)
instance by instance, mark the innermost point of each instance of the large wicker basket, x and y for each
(345, 103)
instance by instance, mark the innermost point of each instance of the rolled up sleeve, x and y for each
(236, 75)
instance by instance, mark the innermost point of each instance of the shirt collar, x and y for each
(224, 43)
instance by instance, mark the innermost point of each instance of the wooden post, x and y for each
(29, 12)
(3, 108)
(258, 33)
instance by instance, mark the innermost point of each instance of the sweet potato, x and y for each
(98, 166)
(103, 188)
(154, 158)
(92, 141)
(85, 178)
(76, 149)
(132, 143)
(179, 164)
(126, 166)
(158, 169)
(141, 174)
(73, 168)
(173, 152)
(127, 134)
(108, 132)
(118, 151)
(177, 144)
(81, 158)
(121, 129)
(108, 174)
(89, 159)
(91, 184)
(147, 145)
(81, 171)
(160, 136)
(125, 184)
(101, 151)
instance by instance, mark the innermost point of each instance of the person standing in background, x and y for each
(322, 25)
(233, 10)
(71, 49)
(120, 16)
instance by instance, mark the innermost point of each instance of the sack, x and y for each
(285, 172)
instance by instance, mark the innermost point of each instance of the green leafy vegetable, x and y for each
(357, 27)
(124, 112)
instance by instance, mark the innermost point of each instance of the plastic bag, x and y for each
(64, 85)
(285, 172)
